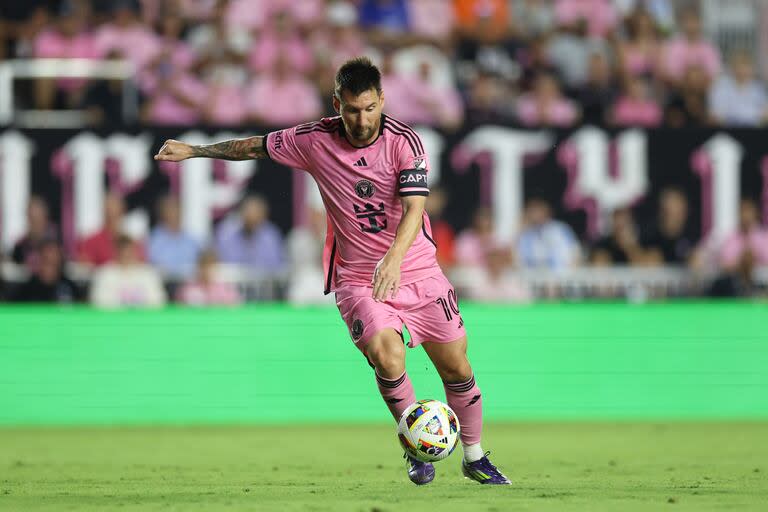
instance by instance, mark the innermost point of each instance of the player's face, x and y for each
(361, 114)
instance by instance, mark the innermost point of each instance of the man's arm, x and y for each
(235, 149)
(386, 277)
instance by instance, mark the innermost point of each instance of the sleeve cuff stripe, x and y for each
(422, 192)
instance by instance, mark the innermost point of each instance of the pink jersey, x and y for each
(361, 189)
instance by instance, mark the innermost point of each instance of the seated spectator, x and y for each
(622, 245)
(39, 232)
(433, 20)
(736, 281)
(221, 47)
(599, 91)
(126, 36)
(492, 283)
(534, 17)
(738, 98)
(384, 21)
(662, 12)
(282, 97)
(545, 243)
(669, 241)
(687, 106)
(600, 16)
(482, 18)
(545, 105)
(488, 100)
(442, 232)
(569, 51)
(206, 289)
(305, 249)
(170, 249)
(251, 240)
(639, 53)
(71, 39)
(691, 49)
(242, 14)
(477, 241)
(127, 282)
(419, 99)
(749, 241)
(176, 100)
(341, 39)
(485, 43)
(225, 98)
(173, 56)
(281, 40)
(48, 282)
(100, 248)
(636, 107)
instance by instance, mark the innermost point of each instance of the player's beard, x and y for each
(364, 134)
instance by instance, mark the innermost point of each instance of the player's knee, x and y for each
(456, 370)
(387, 357)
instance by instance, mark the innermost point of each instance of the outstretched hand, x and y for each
(174, 151)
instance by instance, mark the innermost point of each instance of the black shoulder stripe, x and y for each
(317, 125)
(319, 129)
(410, 141)
(408, 129)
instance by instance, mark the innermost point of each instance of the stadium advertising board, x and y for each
(585, 173)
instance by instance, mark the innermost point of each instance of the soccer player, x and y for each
(379, 257)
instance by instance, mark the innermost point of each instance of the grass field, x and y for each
(554, 466)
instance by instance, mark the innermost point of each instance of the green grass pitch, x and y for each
(554, 466)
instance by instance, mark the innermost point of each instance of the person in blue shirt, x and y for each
(172, 251)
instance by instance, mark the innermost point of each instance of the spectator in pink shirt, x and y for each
(207, 289)
(545, 105)
(225, 99)
(340, 40)
(750, 241)
(636, 107)
(174, 55)
(418, 99)
(69, 39)
(176, 101)
(282, 97)
(433, 20)
(281, 37)
(639, 53)
(475, 243)
(690, 49)
(127, 37)
(215, 41)
(599, 15)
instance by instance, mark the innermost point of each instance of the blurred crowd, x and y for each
(444, 62)
(532, 62)
(247, 248)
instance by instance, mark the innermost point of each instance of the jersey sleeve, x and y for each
(413, 167)
(285, 148)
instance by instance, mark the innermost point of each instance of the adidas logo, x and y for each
(361, 163)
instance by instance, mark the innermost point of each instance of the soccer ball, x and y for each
(428, 430)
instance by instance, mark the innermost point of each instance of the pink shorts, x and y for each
(428, 308)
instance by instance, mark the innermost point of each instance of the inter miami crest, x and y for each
(364, 189)
(357, 329)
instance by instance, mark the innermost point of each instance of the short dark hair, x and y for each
(357, 76)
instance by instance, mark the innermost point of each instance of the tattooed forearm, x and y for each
(236, 149)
